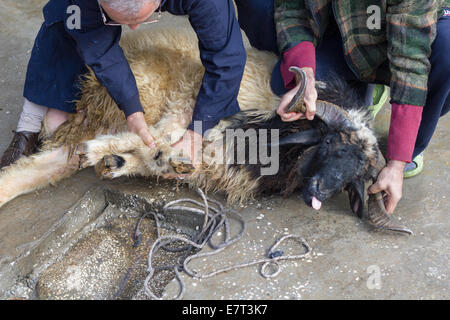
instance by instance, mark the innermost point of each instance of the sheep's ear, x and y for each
(355, 191)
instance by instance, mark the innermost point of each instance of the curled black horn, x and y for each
(333, 116)
(297, 104)
(328, 112)
(379, 217)
(377, 213)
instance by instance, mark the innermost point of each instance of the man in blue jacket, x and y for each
(80, 33)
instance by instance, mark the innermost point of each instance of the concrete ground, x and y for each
(349, 259)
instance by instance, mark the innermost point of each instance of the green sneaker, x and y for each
(380, 96)
(414, 168)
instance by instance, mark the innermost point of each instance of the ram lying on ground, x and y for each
(336, 151)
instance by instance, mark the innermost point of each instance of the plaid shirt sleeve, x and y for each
(411, 29)
(296, 38)
(292, 22)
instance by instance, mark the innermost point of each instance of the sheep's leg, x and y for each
(135, 163)
(93, 151)
(35, 172)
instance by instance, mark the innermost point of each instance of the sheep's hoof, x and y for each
(84, 163)
(81, 151)
(105, 169)
(114, 161)
(105, 174)
(181, 166)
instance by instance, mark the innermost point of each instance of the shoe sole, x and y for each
(419, 167)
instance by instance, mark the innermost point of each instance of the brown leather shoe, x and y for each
(23, 144)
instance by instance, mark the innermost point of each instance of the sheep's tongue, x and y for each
(316, 204)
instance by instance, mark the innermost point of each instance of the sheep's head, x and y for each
(337, 164)
(345, 156)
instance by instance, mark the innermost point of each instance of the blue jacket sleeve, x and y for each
(223, 55)
(98, 46)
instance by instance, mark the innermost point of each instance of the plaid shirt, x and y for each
(395, 54)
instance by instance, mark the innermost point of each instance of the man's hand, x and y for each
(136, 124)
(310, 99)
(390, 180)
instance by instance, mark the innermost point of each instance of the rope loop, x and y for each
(216, 218)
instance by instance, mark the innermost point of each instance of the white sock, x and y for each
(31, 117)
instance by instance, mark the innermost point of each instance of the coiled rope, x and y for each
(212, 223)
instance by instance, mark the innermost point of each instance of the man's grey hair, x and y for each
(131, 7)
